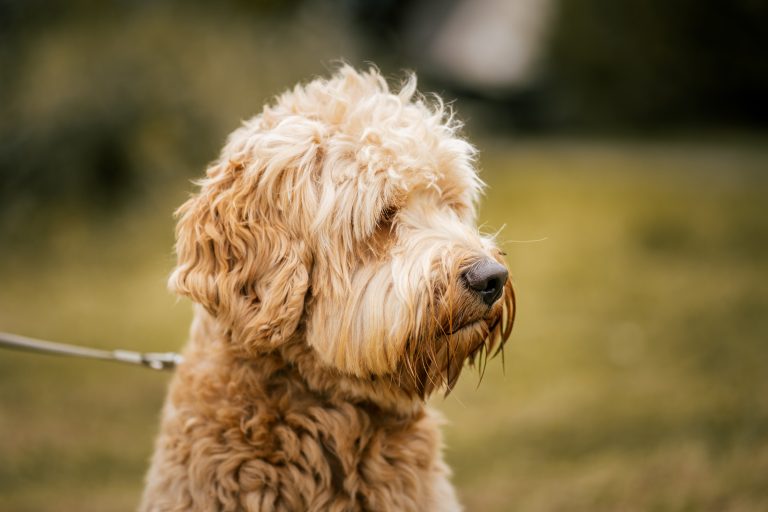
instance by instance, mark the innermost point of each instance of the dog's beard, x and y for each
(415, 332)
(461, 332)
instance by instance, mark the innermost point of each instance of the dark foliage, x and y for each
(656, 63)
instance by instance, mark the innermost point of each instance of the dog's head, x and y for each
(351, 210)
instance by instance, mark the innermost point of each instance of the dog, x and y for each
(339, 279)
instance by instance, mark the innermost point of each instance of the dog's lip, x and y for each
(464, 326)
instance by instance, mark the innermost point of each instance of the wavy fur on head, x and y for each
(326, 249)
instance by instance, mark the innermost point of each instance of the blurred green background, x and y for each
(625, 150)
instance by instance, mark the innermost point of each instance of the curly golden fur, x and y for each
(327, 251)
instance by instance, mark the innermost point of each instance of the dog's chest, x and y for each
(340, 457)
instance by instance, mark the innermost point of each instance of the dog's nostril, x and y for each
(487, 279)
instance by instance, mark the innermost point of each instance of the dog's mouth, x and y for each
(469, 334)
(466, 326)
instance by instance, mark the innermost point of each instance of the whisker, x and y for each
(531, 241)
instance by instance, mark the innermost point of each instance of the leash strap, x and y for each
(153, 360)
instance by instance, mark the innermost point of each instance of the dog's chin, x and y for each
(472, 337)
(470, 326)
(440, 360)
(472, 342)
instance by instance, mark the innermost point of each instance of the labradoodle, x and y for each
(339, 280)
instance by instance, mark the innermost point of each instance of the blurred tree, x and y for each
(102, 103)
(606, 64)
(653, 63)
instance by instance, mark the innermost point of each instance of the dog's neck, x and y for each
(296, 364)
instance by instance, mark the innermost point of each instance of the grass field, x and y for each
(636, 378)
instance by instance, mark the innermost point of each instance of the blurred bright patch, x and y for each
(635, 379)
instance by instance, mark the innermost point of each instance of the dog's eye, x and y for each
(387, 217)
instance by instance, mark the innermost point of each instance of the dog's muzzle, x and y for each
(486, 278)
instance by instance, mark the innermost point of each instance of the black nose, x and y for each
(487, 279)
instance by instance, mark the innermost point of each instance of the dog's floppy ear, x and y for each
(244, 267)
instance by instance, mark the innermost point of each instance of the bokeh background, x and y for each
(624, 144)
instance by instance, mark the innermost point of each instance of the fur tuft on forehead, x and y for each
(367, 130)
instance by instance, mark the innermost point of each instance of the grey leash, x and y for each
(154, 360)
